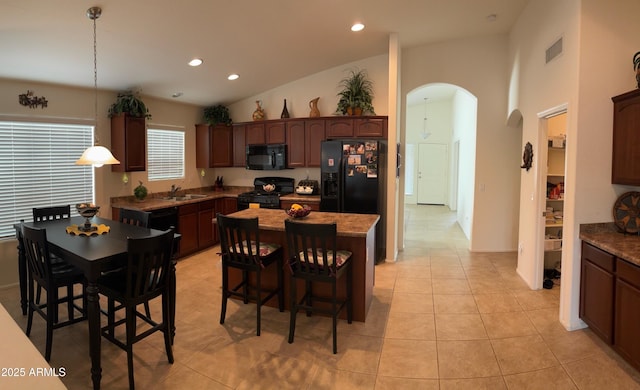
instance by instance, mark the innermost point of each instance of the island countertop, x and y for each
(348, 225)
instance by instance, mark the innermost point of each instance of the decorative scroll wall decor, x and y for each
(27, 99)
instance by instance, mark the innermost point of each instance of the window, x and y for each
(37, 169)
(166, 154)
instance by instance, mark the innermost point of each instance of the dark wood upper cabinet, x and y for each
(626, 139)
(214, 146)
(255, 133)
(275, 132)
(128, 143)
(370, 127)
(296, 144)
(314, 130)
(239, 144)
(339, 127)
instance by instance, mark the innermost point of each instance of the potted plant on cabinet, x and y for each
(129, 103)
(357, 93)
(216, 115)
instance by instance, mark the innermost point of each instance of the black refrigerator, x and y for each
(353, 180)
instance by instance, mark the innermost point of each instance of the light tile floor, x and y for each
(441, 318)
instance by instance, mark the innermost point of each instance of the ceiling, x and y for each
(145, 44)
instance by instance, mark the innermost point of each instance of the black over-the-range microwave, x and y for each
(267, 157)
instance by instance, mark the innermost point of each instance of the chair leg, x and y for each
(308, 295)
(349, 295)
(334, 315)
(52, 306)
(166, 319)
(31, 303)
(131, 329)
(245, 287)
(70, 301)
(293, 308)
(225, 287)
(111, 317)
(147, 311)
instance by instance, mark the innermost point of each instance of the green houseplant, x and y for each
(217, 114)
(140, 192)
(129, 103)
(356, 94)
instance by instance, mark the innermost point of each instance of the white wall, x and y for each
(479, 65)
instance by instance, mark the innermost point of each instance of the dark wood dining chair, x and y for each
(147, 276)
(43, 275)
(242, 249)
(51, 213)
(313, 258)
(135, 217)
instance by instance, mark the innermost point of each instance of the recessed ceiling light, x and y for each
(233, 76)
(177, 94)
(195, 62)
(357, 27)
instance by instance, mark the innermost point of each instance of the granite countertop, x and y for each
(349, 225)
(155, 202)
(606, 237)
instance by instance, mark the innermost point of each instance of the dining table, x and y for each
(93, 254)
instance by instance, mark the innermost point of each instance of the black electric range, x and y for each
(267, 200)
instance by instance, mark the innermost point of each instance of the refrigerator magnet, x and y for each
(331, 162)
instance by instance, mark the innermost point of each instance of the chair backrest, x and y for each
(239, 240)
(51, 213)
(36, 251)
(135, 217)
(148, 265)
(312, 247)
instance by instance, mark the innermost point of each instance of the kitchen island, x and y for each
(356, 233)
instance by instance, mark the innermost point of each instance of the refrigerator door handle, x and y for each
(341, 183)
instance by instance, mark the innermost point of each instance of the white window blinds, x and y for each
(165, 155)
(37, 169)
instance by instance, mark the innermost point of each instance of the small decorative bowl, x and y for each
(87, 210)
(299, 213)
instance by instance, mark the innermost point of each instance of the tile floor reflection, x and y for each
(441, 318)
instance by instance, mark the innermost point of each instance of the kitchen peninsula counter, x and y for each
(606, 237)
(356, 233)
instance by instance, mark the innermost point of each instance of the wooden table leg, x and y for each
(93, 313)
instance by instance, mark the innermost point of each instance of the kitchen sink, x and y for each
(186, 197)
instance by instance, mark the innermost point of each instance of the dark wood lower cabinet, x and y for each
(188, 228)
(610, 301)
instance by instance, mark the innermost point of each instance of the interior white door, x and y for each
(432, 173)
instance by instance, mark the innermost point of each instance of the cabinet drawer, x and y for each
(628, 272)
(207, 205)
(188, 209)
(598, 257)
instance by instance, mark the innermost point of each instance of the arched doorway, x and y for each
(440, 144)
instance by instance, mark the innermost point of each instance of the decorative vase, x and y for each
(285, 112)
(313, 104)
(258, 114)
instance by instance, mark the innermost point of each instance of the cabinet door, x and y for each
(128, 143)
(596, 292)
(314, 135)
(275, 133)
(222, 146)
(230, 205)
(626, 139)
(203, 142)
(206, 236)
(295, 144)
(188, 228)
(370, 127)
(339, 127)
(239, 146)
(627, 322)
(255, 134)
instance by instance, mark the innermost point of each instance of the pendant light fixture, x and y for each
(96, 155)
(425, 134)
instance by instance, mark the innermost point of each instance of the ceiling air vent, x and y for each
(553, 51)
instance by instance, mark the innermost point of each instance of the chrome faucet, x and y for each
(174, 189)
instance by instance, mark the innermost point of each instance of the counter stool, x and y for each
(242, 249)
(313, 257)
